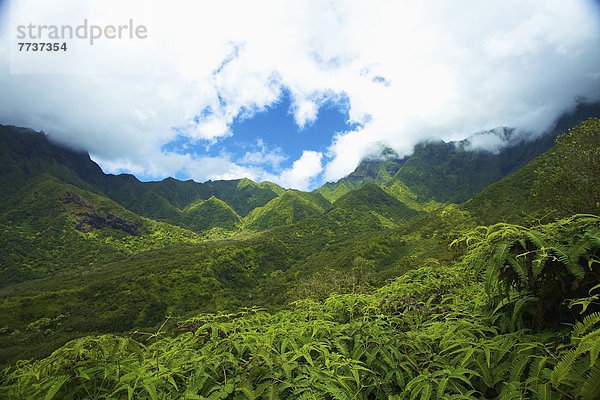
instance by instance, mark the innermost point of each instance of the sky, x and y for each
(293, 92)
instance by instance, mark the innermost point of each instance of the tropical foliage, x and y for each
(429, 334)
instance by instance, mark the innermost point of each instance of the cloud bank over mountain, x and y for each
(403, 71)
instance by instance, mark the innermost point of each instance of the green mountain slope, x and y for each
(368, 202)
(508, 200)
(204, 215)
(450, 172)
(379, 171)
(513, 199)
(49, 226)
(25, 153)
(242, 195)
(290, 207)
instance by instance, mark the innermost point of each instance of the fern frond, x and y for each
(589, 322)
(55, 387)
(591, 387)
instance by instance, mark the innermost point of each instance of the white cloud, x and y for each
(262, 155)
(493, 140)
(303, 171)
(410, 70)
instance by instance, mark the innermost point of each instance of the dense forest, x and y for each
(448, 274)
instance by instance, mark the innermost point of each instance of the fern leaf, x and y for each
(591, 387)
(56, 387)
(563, 367)
(588, 323)
(518, 368)
(537, 239)
(570, 261)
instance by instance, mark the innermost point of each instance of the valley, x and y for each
(450, 273)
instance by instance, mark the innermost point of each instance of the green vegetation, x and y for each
(204, 215)
(368, 288)
(290, 207)
(25, 154)
(572, 185)
(263, 268)
(558, 183)
(508, 200)
(49, 226)
(379, 171)
(439, 172)
(433, 333)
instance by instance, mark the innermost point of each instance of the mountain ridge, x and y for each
(453, 172)
(75, 252)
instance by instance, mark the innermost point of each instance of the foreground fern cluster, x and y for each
(469, 331)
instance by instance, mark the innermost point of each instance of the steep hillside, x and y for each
(49, 226)
(379, 170)
(291, 207)
(370, 201)
(242, 195)
(25, 153)
(558, 183)
(451, 172)
(508, 200)
(204, 215)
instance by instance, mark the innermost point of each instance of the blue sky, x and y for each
(271, 138)
(295, 92)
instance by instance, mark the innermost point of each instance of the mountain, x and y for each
(26, 154)
(242, 195)
(509, 199)
(290, 207)
(49, 226)
(84, 258)
(204, 215)
(379, 170)
(558, 183)
(452, 172)
(371, 201)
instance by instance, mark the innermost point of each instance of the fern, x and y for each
(432, 333)
(59, 381)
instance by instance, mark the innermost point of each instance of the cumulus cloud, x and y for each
(262, 155)
(409, 71)
(302, 172)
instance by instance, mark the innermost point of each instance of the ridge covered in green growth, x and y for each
(25, 154)
(49, 226)
(204, 215)
(453, 172)
(372, 202)
(558, 183)
(378, 171)
(290, 207)
(370, 288)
